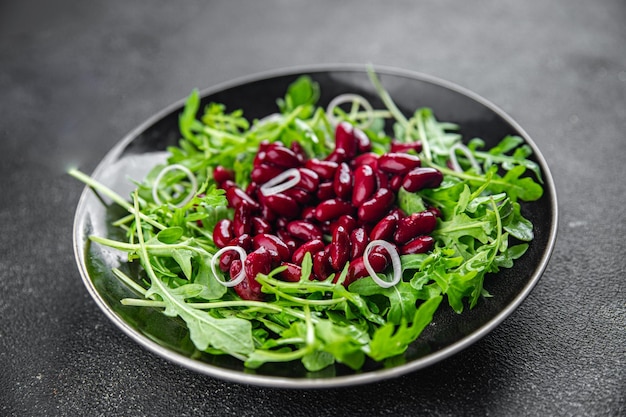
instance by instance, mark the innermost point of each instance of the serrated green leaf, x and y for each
(390, 340)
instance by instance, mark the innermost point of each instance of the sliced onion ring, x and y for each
(242, 256)
(395, 263)
(351, 98)
(468, 154)
(188, 173)
(281, 182)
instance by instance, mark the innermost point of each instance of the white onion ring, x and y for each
(395, 263)
(351, 98)
(468, 154)
(281, 182)
(242, 256)
(188, 173)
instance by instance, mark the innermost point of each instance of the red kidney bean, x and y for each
(338, 156)
(274, 245)
(435, 211)
(396, 182)
(347, 221)
(228, 184)
(260, 225)
(292, 273)
(326, 227)
(358, 242)
(345, 139)
(301, 196)
(259, 158)
(259, 261)
(339, 248)
(236, 197)
(244, 241)
(291, 242)
(420, 244)
(383, 251)
(263, 173)
(281, 223)
(385, 228)
(398, 163)
(326, 191)
(242, 220)
(221, 174)
(303, 230)
(282, 157)
(249, 288)
(397, 213)
(416, 224)
(342, 183)
(252, 189)
(264, 145)
(309, 180)
(422, 177)
(333, 209)
(223, 232)
(283, 205)
(312, 246)
(308, 214)
(266, 213)
(321, 265)
(397, 146)
(324, 169)
(368, 158)
(364, 144)
(299, 151)
(227, 259)
(357, 268)
(364, 184)
(375, 208)
(381, 179)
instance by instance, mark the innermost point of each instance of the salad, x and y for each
(319, 234)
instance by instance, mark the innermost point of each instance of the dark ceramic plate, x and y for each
(256, 95)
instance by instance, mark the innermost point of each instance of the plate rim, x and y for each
(327, 382)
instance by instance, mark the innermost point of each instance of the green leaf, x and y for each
(212, 290)
(516, 186)
(345, 343)
(302, 92)
(317, 360)
(183, 259)
(410, 202)
(518, 226)
(170, 235)
(231, 335)
(402, 297)
(188, 117)
(390, 340)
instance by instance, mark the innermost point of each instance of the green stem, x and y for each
(101, 188)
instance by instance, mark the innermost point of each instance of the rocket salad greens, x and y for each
(174, 210)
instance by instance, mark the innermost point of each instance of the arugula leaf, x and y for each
(302, 92)
(402, 297)
(390, 340)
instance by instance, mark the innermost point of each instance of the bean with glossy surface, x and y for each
(398, 162)
(414, 225)
(364, 184)
(376, 207)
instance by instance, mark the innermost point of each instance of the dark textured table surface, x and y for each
(77, 76)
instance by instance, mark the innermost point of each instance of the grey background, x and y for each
(76, 76)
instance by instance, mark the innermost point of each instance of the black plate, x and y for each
(256, 95)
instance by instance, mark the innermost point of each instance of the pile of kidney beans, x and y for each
(339, 205)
